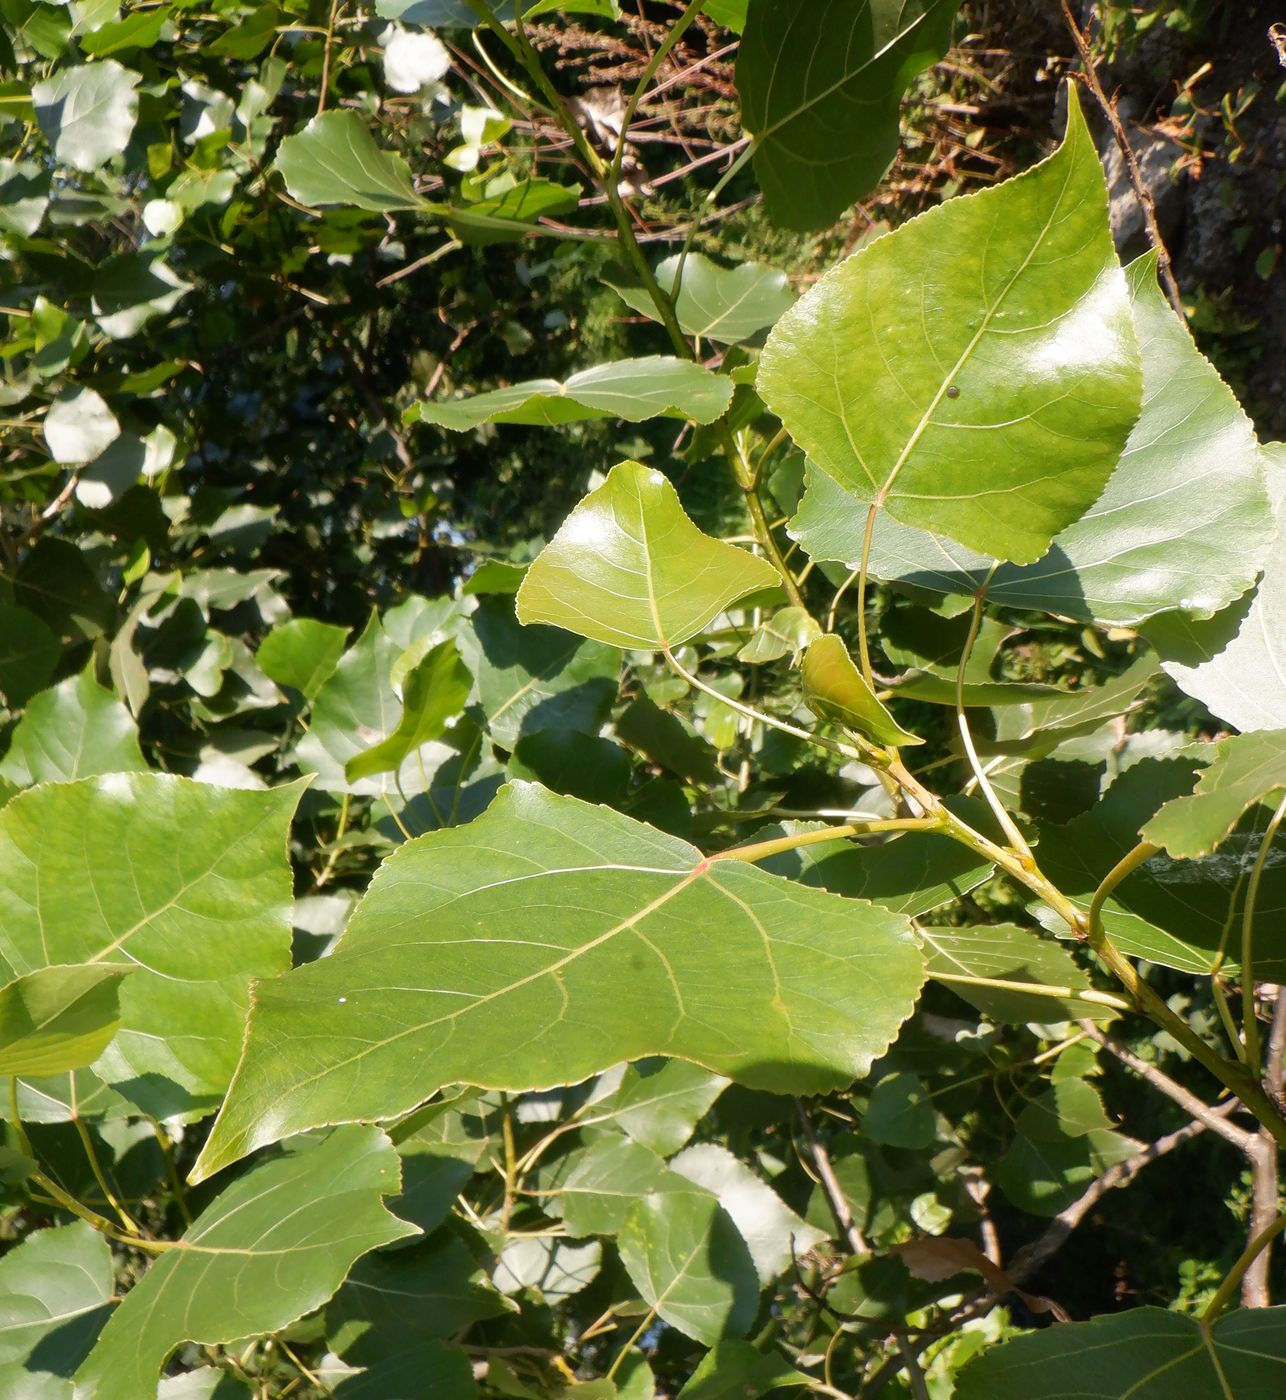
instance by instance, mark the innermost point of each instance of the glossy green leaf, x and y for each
(302, 654)
(629, 568)
(734, 1370)
(189, 882)
(634, 390)
(1141, 1354)
(87, 112)
(1235, 664)
(1242, 771)
(820, 87)
(786, 633)
(334, 160)
(56, 1290)
(548, 940)
(58, 1018)
(75, 730)
(532, 679)
(687, 1260)
(994, 411)
(966, 960)
(273, 1246)
(836, 691)
(433, 694)
(724, 304)
(774, 1234)
(29, 651)
(1184, 521)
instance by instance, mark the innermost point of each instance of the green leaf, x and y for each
(1184, 521)
(273, 1246)
(900, 1113)
(334, 160)
(965, 960)
(576, 765)
(133, 31)
(56, 583)
(688, 1262)
(773, 1233)
(598, 1184)
(29, 651)
(725, 304)
(355, 709)
(662, 739)
(994, 410)
(734, 1370)
(1235, 664)
(532, 679)
(547, 940)
(786, 633)
(820, 87)
(836, 691)
(58, 1018)
(302, 654)
(56, 1290)
(660, 1103)
(433, 694)
(554, 1269)
(1244, 769)
(87, 113)
(75, 730)
(1173, 912)
(79, 426)
(189, 882)
(629, 568)
(634, 390)
(423, 1371)
(1064, 1141)
(1144, 1352)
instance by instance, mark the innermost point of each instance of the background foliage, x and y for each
(323, 317)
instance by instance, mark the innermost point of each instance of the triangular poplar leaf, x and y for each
(56, 1290)
(660, 1103)
(820, 87)
(773, 1233)
(432, 694)
(334, 160)
(87, 112)
(537, 679)
(1172, 912)
(58, 1018)
(786, 633)
(550, 939)
(995, 409)
(93, 872)
(836, 691)
(555, 1269)
(1143, 1352)
(273, 1246)
(302, 653)
(1235, 664)
(726, 304)
(634, 390)
(900, 1113)
(968, 960)
(596, 1186)
(1243, 770)
(1183, 523)
(688, 1261)
(426, 1370)
(75, 730)
(629, 568)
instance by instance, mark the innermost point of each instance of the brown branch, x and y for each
(1144, 195)
(1265, 1186)
(831, 1188)
(1214, 1119)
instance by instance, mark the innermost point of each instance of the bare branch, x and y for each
(833, 1191)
